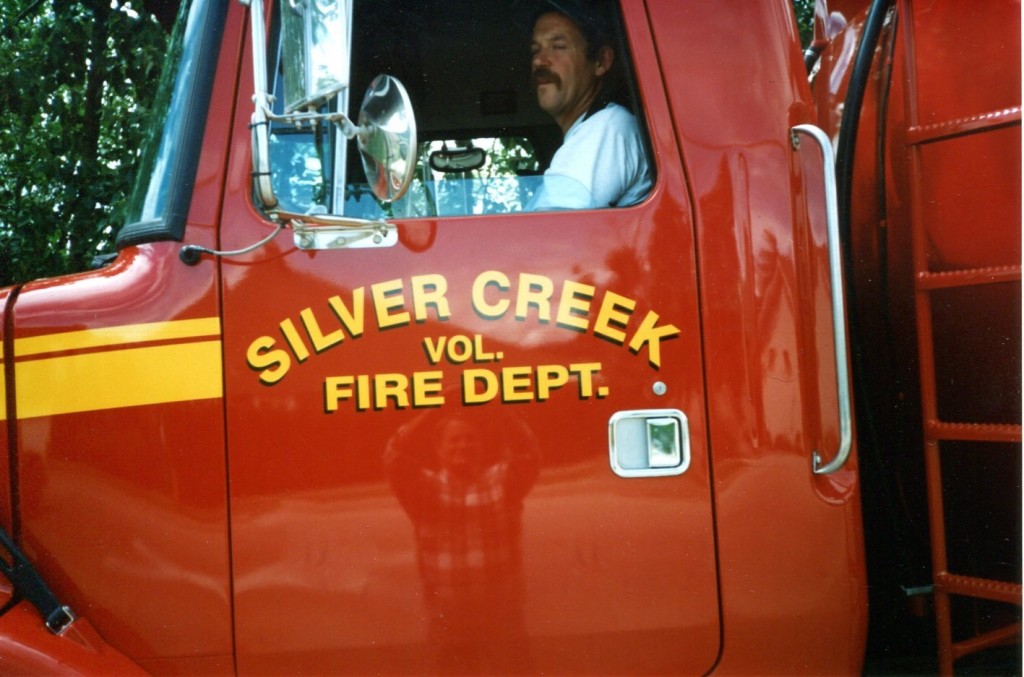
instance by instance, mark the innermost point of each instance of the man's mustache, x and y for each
(542, 76)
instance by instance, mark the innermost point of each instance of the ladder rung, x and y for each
(987, 640)
(947, 129)
(983, 588)
(974, 432)
(968, 277)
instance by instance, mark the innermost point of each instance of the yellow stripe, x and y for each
(3, 394)
(108, 336)
(119, 378)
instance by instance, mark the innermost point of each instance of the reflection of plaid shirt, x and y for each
(471, 538)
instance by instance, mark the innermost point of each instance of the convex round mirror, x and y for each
(387, 138)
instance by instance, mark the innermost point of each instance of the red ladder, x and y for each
(938, 433)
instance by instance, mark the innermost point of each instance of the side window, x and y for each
(302, 170)
(486, 144)
(301, 157)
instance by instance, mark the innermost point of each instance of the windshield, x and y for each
(159, 201)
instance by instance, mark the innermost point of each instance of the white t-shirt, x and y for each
(601, 163)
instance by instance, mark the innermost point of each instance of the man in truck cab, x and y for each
(602, 161)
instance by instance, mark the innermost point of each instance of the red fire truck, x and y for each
(344, 404)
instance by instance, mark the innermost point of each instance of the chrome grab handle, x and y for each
(838, 303)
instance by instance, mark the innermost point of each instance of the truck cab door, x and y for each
(788, 527)
(480, 444)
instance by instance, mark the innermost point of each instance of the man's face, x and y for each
(565, 80)
(460, 449)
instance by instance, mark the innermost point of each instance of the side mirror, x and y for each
(315, 54)
(387, 138)
(316, 35)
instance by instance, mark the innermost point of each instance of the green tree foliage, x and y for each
(805, 20)
(74, 79)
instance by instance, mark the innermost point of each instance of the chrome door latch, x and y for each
(649, 443)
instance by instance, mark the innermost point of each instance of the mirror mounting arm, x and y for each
(311, 231)
(311, 119)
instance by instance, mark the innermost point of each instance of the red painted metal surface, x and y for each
(937, 237)
(26, 648)
(765, 304)
(7, 444)
(124, 510)
(609, 565)
(335, 480)
(285, 527)
(954, 120)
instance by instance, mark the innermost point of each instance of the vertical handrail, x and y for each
(835, 265)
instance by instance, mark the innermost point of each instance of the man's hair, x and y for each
(589, 18)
